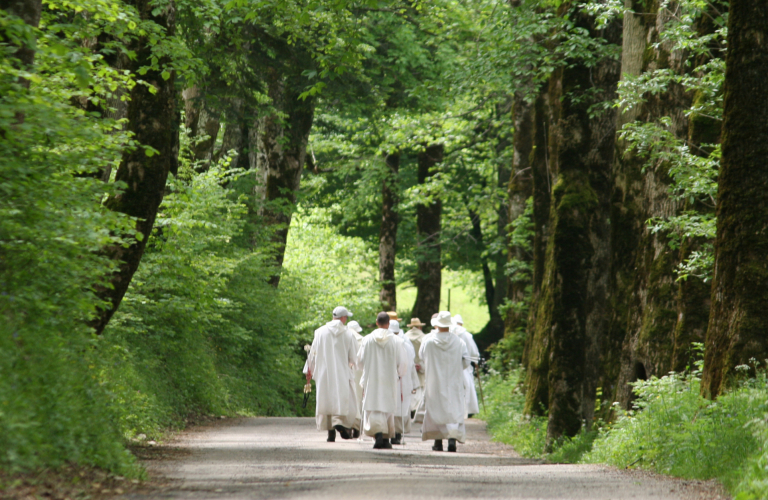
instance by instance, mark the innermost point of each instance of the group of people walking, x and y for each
(383, 383)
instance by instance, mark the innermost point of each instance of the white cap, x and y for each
(394, 326)
(443, 319)
(340, 312)
(354, 325)
(457, 320)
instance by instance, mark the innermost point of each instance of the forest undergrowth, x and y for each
(671, 429)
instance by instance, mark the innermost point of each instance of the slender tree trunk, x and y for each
(738, 318)
(28, 11)
(153, 119)
(428, 279)
(388, 233)
(280, 154)
(201, 123)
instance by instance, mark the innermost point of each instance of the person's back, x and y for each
(382, 360)
(444, 356)
(333, 351)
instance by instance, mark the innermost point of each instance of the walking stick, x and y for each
(480, 385)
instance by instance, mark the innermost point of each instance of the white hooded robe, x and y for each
(408, 383)
(382, 359)
(469, 374)
(445, 357)
(358, 373)
(416, 336)
(333, 351)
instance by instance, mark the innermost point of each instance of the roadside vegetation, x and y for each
(671, 429)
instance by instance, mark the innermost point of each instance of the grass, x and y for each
(463, 297)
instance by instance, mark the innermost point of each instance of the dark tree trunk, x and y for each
(152, 118)
(738, 319)
(28, 11)
(280, 153)
(571, 311)
(388, 233)
(428, 279)
(236, 134)
(536, 352)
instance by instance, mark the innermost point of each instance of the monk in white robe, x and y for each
(333, 351)
(445, 357)
(382, 359)
(470, 395)
(355, 328)
(416, 335)
(407, 386)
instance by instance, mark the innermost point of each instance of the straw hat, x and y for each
(415, 322)
(393, 315)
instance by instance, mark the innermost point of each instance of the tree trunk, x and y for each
(570, 316)
(280, 153)
(739, 318)
(152, 118)
(428, 279)
(28, 11)
(536, 351)
(203, 126)
(388, 233)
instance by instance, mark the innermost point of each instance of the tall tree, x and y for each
(738, 318)
(388, 232)
(428, 279)
(152, 118)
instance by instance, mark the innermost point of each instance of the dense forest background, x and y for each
(187, 188)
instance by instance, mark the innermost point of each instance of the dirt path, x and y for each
(286, 458)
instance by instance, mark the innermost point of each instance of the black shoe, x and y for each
(470, 415)
(331, 436)
(343, 432)
(379, 443)
(386, 445)
(355, 433)
(413, 414)
(396, 439)
(438, 446)
(451, 445)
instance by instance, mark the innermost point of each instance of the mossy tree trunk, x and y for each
(654, 318)
(738, 319)
(279, 145)
(152, 118)
(571, 306)
(388, 232)
(428, 279)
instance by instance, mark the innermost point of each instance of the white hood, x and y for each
(443, 339)
(336, 327)
(382, 335)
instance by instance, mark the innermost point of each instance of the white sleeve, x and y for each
(465, 361)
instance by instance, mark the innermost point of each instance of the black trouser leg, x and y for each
(331, 436)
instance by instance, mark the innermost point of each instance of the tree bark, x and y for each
(739, 318)
(280, 154)
(428, 279)
(388, 233)
(201, 123)
(152, 118)
(30, 12)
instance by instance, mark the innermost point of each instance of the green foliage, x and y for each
(673, 430)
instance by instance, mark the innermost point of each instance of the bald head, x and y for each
(382, 320)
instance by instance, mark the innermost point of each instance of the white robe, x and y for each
(408, 383)
(445, 357)
(416, 336)
(358, 373)
(334, 350)
(382, 359)
(469, 374)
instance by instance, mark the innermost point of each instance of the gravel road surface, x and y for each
(286, 458)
